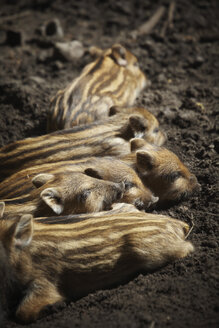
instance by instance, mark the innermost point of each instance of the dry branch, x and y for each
(169, 22)
(148, 26)
(15, 16)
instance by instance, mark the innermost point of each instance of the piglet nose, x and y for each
(193, 180)
(198, 187)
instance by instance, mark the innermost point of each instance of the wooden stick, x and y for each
(152, 324)
(15, 16)
(169, 21)
(209, 213)
(147, 27)
(171, 13)
(192, 226)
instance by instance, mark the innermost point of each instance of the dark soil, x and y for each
(183, 68)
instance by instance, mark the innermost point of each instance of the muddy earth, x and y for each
(181, 61)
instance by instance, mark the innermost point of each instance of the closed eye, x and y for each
(129, 185)
(172, 176)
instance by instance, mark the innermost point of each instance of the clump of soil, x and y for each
(182, 66)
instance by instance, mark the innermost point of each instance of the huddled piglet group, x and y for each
(75, 203)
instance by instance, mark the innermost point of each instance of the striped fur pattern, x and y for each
(106, 138)
(53, 263)
(114, 78)
(106, 168)
(65, 193)
(74, 218)
(161, 171)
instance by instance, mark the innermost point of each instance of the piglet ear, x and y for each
(154, 199)
(52, 197)
(119, 54)
(23, 231)
(145, 160)
(42, 178)
(2, 209)
(138, 125)
(137, 143)
(92, 173)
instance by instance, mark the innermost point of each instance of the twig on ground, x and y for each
(15, 16)
(169, 22)
(152, 324)
(209, 213)
(148, 26)
(191, 228)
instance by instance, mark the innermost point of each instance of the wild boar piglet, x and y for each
(109, 137)
(104, 168)
(112, 169)
(114, 78)
(65, 193)
(83, 257)
(162, 172)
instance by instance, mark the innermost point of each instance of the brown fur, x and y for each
(65, 193)
(114, 78)
(106, 168)
(68, 261)
(73, 218)
(161, 171)
(150, 124)
(107, 138)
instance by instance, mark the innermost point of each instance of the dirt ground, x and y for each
(183, 67)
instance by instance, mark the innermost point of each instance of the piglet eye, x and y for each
(156, 130)
(174, 176)
(171, 177)
(129, 185)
